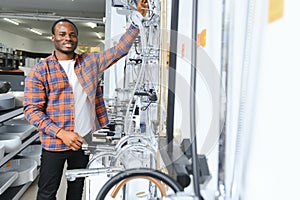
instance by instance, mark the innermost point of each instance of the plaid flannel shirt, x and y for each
(48, 97)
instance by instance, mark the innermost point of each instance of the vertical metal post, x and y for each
(163, 66)
(223, 98)
(195, 165)
(172, 74)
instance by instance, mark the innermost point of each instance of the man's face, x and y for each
(65, 38)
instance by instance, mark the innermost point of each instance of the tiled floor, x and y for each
(31, 192)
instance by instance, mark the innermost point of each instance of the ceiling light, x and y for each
(11, 21)
(35, 31)
(49, 37)
(48, 17)
(91, 24)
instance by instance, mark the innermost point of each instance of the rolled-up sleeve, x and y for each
(113, 54)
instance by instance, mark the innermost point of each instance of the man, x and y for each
(63, 99)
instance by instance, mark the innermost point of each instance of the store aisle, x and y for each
(32, 190)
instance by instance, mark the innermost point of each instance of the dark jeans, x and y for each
(52, 165)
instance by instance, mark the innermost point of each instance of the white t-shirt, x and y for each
(84, 120)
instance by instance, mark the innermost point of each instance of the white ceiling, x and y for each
(40, 15)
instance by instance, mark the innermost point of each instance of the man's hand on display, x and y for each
(71, 139)
(142, 7)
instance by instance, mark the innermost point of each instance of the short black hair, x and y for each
(63, 20)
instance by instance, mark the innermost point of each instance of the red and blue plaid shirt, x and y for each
(48, 97)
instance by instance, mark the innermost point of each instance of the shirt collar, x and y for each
(53, 57)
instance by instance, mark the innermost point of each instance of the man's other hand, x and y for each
(142, 7)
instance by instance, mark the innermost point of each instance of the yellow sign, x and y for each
(201, 38)
(82, 49)
(275, 11)
(94, 49)
(87, 49)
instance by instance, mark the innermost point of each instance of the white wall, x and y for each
(208, 81)
(19, 42)
(42, 46)
(271, 162)
(114, 28)
(274, 158)
(15, 41)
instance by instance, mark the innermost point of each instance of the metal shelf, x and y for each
(15, 193)
(7, 179)
(28, 141)
(10, 114)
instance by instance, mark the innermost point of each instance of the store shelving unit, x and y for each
(15, 193)
(12, 59)
(6, 115)
(8, 60)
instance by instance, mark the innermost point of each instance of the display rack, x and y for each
(16, 192)
(24, 144)
(12, 59)
(8, 60)
(6, 115)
